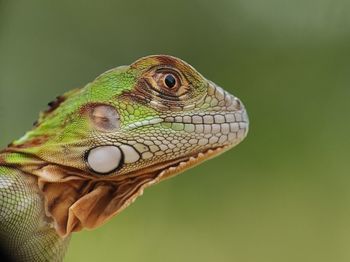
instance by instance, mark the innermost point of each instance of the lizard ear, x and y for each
(75, 203)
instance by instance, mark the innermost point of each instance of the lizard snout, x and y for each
(233, 110)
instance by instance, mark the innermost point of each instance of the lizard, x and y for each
(96, 148)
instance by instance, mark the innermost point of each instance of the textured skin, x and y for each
(95, 149)
(25, 230)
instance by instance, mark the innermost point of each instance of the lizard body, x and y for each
(96, 149)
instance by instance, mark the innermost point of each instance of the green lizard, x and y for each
(96, 149)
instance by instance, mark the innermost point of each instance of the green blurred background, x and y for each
(282, 195)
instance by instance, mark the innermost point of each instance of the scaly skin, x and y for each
(96, 148)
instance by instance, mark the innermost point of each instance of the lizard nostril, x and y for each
(238, 103)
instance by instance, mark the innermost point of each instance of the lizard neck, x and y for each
(25, 230)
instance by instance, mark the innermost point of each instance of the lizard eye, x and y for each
(169, 81)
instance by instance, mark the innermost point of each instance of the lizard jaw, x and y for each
(175, 169)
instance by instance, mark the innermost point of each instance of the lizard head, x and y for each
(96, 148)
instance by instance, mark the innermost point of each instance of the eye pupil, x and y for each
(170, 81)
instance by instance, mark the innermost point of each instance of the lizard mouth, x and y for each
(158, 172)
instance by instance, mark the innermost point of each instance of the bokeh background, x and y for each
(282, 195)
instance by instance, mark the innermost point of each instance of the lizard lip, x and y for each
(195, 119)
(173, 167)
(231, 124)
(191, 161)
